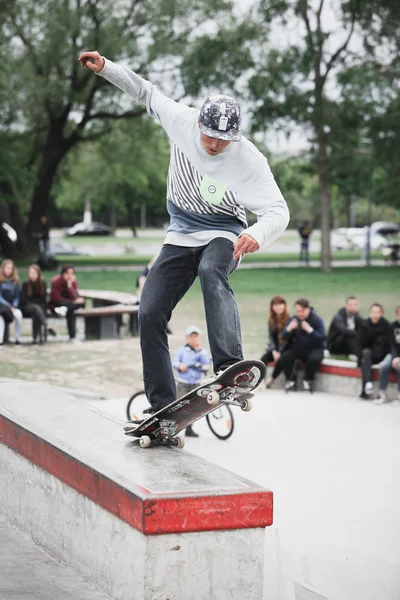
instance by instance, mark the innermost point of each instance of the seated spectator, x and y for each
(190, 361)
(64, 293)
(373, 346)
(9, 300)
(33, 301)
(278, 316)
(304, 335)
(342, 334)
(391, 361)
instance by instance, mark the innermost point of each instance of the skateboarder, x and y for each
(215, 173)
(191, 362)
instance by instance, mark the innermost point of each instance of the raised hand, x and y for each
(92, 60)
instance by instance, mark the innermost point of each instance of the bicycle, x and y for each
(220, 421)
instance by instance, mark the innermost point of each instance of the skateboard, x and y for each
(233, 386)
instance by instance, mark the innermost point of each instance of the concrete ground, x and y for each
(27, 571)
(333, 463)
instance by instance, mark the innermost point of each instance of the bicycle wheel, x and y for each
(221, 422)
(136, 405)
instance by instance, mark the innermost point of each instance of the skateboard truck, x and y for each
(245, 404)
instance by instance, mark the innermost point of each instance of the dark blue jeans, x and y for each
(169, 279)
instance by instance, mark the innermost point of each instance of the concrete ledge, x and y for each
(140, 524)
(341, 376)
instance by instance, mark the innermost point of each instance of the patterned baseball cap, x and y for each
(220, 118)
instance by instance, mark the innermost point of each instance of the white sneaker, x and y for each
(289, 385)
(306, 385)
(368, 388)
(74, 341)
(381, 399)
(353, 357)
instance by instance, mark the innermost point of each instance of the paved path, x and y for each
(27, 571)
(333, 463)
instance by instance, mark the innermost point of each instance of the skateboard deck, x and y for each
(233, 386)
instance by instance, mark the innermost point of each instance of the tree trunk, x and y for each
(55, 148)
(323, 170)
(113, 218)
(131, 214)
(325, 201)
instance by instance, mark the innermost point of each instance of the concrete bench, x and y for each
(139, 524)
(341, 376)
(104, 322)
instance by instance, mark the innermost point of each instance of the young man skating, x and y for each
(214, 174)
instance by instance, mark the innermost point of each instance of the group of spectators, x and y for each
(302, 337)
(30, 300)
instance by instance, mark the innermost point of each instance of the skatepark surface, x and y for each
(333, 463)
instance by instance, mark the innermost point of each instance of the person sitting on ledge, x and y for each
(278, 316)
(373, 346)
(342, 334)
(305, 337)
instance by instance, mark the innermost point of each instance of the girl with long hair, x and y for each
(278, 316)
(9, 299)
(33, 301)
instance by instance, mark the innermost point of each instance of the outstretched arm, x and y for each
(159, 106)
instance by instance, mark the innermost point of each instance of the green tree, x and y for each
(56, 103)
(122, 171)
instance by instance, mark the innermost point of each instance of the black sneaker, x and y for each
(51, 332)
(190, 433)
(17, 343)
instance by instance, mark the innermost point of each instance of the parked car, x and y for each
(88, 229)
(385, 228)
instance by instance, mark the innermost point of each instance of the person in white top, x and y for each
(215, 173)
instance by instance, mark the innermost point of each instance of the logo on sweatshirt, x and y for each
(212, 191)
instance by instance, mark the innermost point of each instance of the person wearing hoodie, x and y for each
(342, 334)
(373, 346)
(304, 335)
(391, 362)
(191, 361)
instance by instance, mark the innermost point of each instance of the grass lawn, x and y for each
(113, 367)
(255, 287)
(132, 260)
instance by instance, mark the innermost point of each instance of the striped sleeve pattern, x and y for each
(183, 189)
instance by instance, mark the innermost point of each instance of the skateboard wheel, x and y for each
(213, 398)
(181, 442)
(247, 405)
(145, 441)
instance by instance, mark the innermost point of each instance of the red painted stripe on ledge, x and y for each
(151, 515)
(347, 371)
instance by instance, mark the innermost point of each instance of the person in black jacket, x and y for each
(278, 316)
(304, 233)
(33, 301)
(342, 334)
(373, 346)
(304, 335)
(391, 361)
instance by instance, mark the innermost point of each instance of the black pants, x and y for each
(169, 279)
(71, 318)
(310, 358)
(343, 344)
(38, 315)
(369, 357)
(268, 357)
